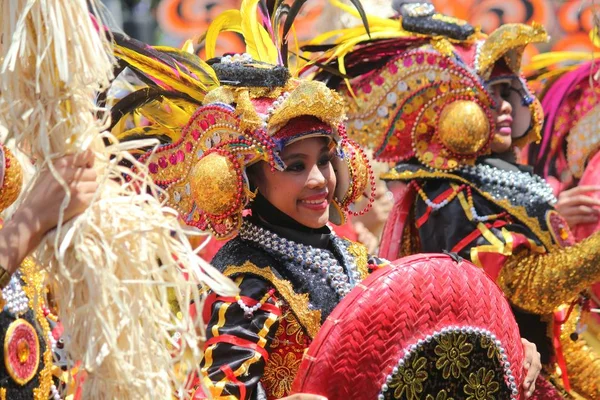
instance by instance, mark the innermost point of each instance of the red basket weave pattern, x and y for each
(371, 329)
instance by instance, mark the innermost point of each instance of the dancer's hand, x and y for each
(43, 203)
(577, 207)
(533, 366)
(40, 209)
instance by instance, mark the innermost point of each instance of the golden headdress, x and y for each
(229, 113)
(419, 86)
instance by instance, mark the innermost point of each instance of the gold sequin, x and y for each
(583, 363)
(309, 98)
(504, 40)
(360, 254)
(463, 127)
(541, 282)
(10, 187)
(214, 182)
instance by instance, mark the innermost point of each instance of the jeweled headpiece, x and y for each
(11, 178)
(247, 112)
(421, 90)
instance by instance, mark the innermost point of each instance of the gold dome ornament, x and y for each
(11, 178)
(464, 127)
(215, 183)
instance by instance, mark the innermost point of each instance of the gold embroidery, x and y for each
(2, 394)
(409, 379)
(280, 373)
(516, 211)
(453, 352)
(361, 258)
(299, 303)
(35, 290)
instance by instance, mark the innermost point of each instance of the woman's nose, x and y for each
(316, 178)
(505, 107)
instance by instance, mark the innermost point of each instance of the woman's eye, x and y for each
(295, 167)
(325, 161)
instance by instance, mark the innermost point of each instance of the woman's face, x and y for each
(305, 188)
(502, 115)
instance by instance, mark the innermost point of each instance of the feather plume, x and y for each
(258, 42)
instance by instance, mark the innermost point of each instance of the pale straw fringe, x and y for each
(112, 290)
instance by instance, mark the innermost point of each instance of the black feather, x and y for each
(292, 14)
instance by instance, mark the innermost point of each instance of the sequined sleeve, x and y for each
(239, 339)
(534, 279)
(542, 282)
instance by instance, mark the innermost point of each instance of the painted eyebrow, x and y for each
(302, 156)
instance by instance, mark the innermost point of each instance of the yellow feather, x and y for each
(181, 82)
(230, 20)
(558, 61)
(206, 75)
(165, 113)
(258, 42)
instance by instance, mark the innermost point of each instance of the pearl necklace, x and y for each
(317, 261)
(523, 182)
(16, 299)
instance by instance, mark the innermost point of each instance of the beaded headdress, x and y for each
(420, 89)
(11, 178)
(246, 109)
(570, 103)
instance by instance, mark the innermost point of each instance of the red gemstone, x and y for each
(173, 159)
(195, 134)
(189, 147)
(378, 80)
(431, 59)
(408, 62)
(393, 68)
(211, 119)
(367, 88)
(204, 124)
(180, 156)
(153, 167)
(443, 63)
(162, 162)
(420, 58)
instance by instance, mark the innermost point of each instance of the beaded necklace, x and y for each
(529, 185)
(317, 261)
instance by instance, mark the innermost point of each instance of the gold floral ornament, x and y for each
(453, 351)
(481, 385)
(11, 178)
(409, 379)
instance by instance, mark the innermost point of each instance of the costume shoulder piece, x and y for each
(519, 192)
(325, 276)
(426, 96)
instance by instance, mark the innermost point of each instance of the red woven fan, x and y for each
(426, 326)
